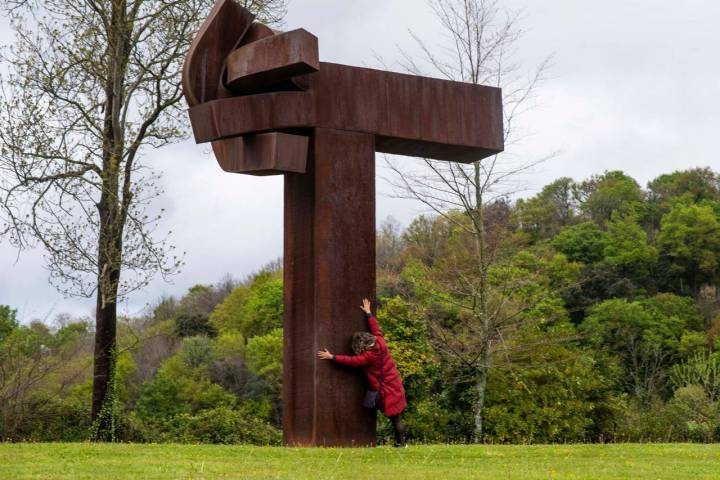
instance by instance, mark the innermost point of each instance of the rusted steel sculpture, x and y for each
(269, 106)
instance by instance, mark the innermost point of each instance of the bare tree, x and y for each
(481, 41)
(91, 85)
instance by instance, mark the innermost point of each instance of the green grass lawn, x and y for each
(631, 461)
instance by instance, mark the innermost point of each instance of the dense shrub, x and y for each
(217, 425)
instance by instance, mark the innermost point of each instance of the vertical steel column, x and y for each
(329, 268)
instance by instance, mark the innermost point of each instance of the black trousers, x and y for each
(399, 428)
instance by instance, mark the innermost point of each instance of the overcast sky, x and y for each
(635, 85)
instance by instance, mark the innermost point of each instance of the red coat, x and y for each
(393, 393)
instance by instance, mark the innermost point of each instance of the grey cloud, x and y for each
(634, 87)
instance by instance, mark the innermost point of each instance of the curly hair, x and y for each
(362, 341)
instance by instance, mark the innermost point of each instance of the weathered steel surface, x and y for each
(217, 37)
(329, 265)
(266, 114)
(262, 154)
(260, 113)
(410, 112)
(410, 115)
(257, 31)
(271, 60)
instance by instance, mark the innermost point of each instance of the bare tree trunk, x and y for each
(480, 385)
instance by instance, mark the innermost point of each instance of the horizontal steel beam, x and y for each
(410, 115)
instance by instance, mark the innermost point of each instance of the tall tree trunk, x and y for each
(109, 256)
(480, 385)
(104, 370)
(112, 222)
(479, 407)
(482, 305)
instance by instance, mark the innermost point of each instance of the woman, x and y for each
(372, 354)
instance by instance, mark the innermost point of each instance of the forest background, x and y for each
(610, 332)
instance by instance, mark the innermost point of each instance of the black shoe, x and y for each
(400, 445)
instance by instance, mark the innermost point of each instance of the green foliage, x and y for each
(162, 398)
(583, 243)
(264, 356)
(228, 315)
(689, 416)
(537, 406)
(701, 370)
(428, 421)
(407, 337)
(190, 325)
(264, 361)
(544, 215)
(197, 351)
(605, 326)
(696, 414)
(645, 335)
(252, 310)
(689, 242)
(63, 420)
(263, 311)
(610, 193)
(221, 425)
(628, 249)
(8, 321)
(695, 185)
(550, 392)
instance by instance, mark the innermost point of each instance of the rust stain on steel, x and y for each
(271, 60)
(270, 107)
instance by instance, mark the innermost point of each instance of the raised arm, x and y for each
(372, 321)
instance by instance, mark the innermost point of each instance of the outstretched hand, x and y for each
(324, 354)
(366, 306)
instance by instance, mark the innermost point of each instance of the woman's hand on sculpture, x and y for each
(366, 306)
(324, 354)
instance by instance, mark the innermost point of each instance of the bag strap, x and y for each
(382, 368)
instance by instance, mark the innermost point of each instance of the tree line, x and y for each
(600, 322)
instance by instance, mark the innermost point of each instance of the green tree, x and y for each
(190, 325)
(253, 309)
(545, 214)
(90, 87)
(264, 356)
(557, 396)
(695, 185)
(611, 192)
(8, 321)
(645, 335)
(689, 243)
(584, 242)
(628, 249)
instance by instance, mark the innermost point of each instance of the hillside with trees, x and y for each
(591, 314)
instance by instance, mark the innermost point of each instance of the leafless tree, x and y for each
(90, 86)
(481, 41)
